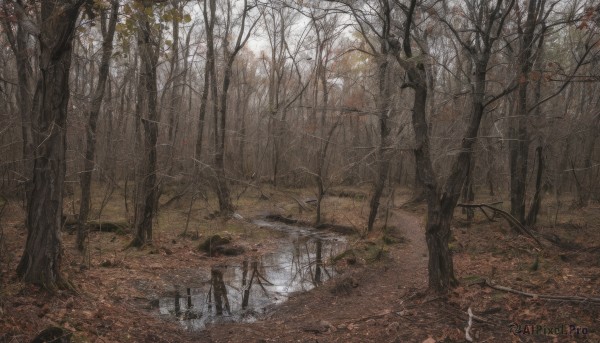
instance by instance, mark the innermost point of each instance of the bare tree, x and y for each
(230, 52)
(519, 133)
(147, 118)
(25, 77)
(487, 22)
(208, 12)
(375, 23)
(108, 32)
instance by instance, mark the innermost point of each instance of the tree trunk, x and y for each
(204, 99)
(176, 96)
(468, 195)
(146, 182)
(325, 140)
(222, 187)
(519, 144)
(382, 155)
(25, 82)
(320, 195)
(537, 197)
(225, 205)
(437, 235)
(88, 162)
(42, 256)
(440, 207)
(383, 167)
(321, 170)
(208, 68)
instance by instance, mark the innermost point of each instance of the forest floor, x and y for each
(117, 288)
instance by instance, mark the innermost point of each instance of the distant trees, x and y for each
(533, 28)
(19, 44)
(501, 96)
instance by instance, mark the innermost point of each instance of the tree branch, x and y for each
(568, 298)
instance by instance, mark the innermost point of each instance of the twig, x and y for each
(469, 326)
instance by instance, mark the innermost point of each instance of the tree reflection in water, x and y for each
(243, 292)
(219, 292)
(188, 312)
(247, 286)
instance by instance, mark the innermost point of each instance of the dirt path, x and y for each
(372, 311)
(411, 257)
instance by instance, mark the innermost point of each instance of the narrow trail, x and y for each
(370, 310)
(411, 258)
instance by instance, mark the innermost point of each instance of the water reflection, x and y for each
(233, 293)
(219, 291)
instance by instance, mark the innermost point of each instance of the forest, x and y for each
(299, 170)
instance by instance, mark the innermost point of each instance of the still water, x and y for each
(246, 291)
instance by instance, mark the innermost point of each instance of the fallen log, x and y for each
(282, 219)
(348, 194)
(509, 218)
(341, 229)
(118, 227)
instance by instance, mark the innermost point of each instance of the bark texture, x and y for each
(147, 115)
(42, 256)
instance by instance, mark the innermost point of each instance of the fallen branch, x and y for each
(569, 298)
(342, 229)
(282, 219)
(177, 196)
(509, 218)
(119, 227)
(372, 316)
(490, 218)
(301, 203)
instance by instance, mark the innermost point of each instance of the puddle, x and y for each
(245, 292)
